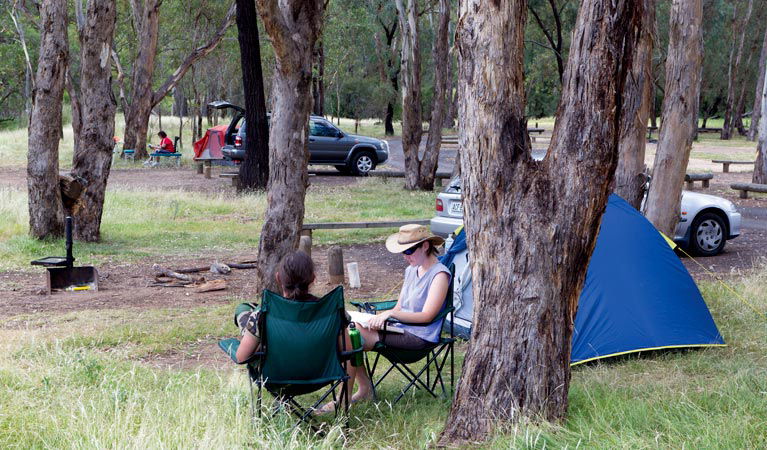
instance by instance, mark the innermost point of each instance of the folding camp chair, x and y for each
(298, 352)
(436, 355)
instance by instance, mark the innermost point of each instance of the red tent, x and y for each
(209, 147)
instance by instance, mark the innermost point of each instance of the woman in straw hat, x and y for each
(420, 300)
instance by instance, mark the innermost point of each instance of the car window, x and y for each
(317, 128)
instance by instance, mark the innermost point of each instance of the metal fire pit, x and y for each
(61, 273)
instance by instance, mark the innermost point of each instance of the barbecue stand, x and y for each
(61, 273)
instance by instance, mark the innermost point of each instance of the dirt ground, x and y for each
(126, 286)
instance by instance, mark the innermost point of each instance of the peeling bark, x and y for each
(539, 218)
(93, 150)
(427, 166)
(637, 97)
(680, 109)
(760, 166)
(46, 217)
(293, 27)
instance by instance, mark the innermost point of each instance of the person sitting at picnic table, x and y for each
(165, 146)
(421, 298)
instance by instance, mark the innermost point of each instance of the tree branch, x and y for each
(120, 79)
(546, 33)
(196, 55)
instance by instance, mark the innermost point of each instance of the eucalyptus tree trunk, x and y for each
(760, 167)
(733, 68)
(680, 109)
(756, 112)
(293, 27)
(637, 97)
(146, 14)
(412, 129)
(46, 217)
(531, 225)
(428, 164)
(254, 171)
(93, 156)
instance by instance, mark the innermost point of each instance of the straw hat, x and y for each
(409, 236)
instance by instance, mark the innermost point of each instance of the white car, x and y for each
(706, 222)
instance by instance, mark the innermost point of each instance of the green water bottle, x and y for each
(356, 338)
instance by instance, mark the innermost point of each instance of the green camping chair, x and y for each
(436, 356)
(298, 353)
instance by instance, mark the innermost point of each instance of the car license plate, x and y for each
(456, 208)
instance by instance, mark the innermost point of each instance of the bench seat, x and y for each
(176, 155)
(745, 188)
(691, 178)
(726, 163)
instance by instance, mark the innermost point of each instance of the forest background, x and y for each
(357, 63)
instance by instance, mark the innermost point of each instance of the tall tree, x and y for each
(293, 27)
(756, 112)
(146, 15)
(637, 98)
(45, 206)
(428, 164)
(760, 167)
(254, 171)
(95, 111)
(419, 171)
(680, 109)
(318, 79)
(540, 218)
(388, 20)
(733, 69)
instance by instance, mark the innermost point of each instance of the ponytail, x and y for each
(296, 273)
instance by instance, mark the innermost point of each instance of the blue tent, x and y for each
(637, 295)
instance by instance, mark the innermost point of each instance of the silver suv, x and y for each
(328, 145)
(705, 222)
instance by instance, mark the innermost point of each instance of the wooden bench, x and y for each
(691, 178)
(307, 228)
(726, 163)
(235, 176)
(129, 154)
(453, 139)
(745, 188)
(438, 177)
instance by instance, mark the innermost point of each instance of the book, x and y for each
(362, 319)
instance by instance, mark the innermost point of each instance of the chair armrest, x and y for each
(230, 346)
(442, 314)
(346, 355)
(375, 307)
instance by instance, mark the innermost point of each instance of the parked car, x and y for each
(706, 222)
(328, 145)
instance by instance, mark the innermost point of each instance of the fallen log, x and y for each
(241, 266)
(160, 271)
(212, 285)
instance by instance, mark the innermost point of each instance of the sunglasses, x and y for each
(412, 249)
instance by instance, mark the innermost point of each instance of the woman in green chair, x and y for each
(294, 275)
(422, 297)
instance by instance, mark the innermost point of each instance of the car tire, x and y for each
(707, 234)
(342, 169)
(362, 163)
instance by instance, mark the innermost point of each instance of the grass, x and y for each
(139, 224)
(85, 381)
(80, 380)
